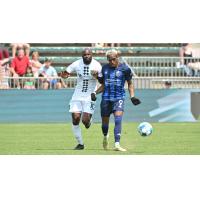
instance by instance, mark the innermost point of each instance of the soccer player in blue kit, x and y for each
(112, 78)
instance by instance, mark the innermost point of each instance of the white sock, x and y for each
(107, 136)
(117, 144)
(77, 133)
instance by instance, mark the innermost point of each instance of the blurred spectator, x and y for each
(62, 82)
(187, 61)
(19, 65)
(168, 84)
(50, 75)
(29, 83)
(100, 47)
(3, 52)
(16, 46)
(4, 73)
(35, 63)
(129, 45)
(4, 67)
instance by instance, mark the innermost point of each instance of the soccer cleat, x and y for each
(119, 148)
(105, 143)
(79, 147)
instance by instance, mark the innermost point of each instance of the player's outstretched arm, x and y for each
(99, 90)
(64, 74)
(135, 101)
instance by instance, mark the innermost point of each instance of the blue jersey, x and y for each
(114, 79)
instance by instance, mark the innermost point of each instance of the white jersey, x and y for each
(86, 83)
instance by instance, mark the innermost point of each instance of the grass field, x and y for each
(57, 139)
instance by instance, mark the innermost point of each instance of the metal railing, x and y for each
(163, 66)
(7, 82)
(139, 82)
(166, 82)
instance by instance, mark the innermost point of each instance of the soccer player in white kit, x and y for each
(81, 104)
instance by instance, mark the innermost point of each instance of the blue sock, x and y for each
(118, 128)
(104, 128)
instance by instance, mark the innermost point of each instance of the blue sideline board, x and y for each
(31, 106)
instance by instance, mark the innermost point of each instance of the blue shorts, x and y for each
(53, 82)
(109, 107)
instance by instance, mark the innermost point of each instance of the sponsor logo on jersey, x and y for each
(118, 73)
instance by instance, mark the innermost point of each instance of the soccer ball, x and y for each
(145, 129)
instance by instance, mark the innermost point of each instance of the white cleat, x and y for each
(119, 148)
(105, 143)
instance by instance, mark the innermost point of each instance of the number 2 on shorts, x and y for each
(120, 103)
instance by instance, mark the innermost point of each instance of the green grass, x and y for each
(57, 139)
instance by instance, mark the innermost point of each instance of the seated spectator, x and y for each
(4, 67)
(130, 46)
(191, 65)
(3, 52)
(50, 75)
(4, 73)
(35, 63)
(99, 47)
(16, 46)
(19, 65)
(62, 82)
(29, 83)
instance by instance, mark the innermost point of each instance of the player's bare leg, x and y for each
(77, 130)
(87, 119)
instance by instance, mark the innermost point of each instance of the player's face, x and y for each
(87, 57)
(113, 60)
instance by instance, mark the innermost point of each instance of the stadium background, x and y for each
(155, 64)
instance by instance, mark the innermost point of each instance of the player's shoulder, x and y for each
(105, 66)
(124, 66)
(78, 62)
(95, 61)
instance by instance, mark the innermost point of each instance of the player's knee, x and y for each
(76, 120)
(86, 121)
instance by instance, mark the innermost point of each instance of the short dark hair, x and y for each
(47, 60)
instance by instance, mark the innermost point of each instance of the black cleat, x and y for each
(79, 147)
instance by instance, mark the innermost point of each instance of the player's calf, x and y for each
(87, 122)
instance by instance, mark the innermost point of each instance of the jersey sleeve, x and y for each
(71, 68)
(128, 74)
(99, 68)
(100, 76)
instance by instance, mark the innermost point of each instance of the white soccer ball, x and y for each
(145, 129)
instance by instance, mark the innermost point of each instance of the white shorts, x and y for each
(82, 106)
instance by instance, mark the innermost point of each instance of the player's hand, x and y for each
(93, 97)
(94, 73)
(64, 74)
(135, 101)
